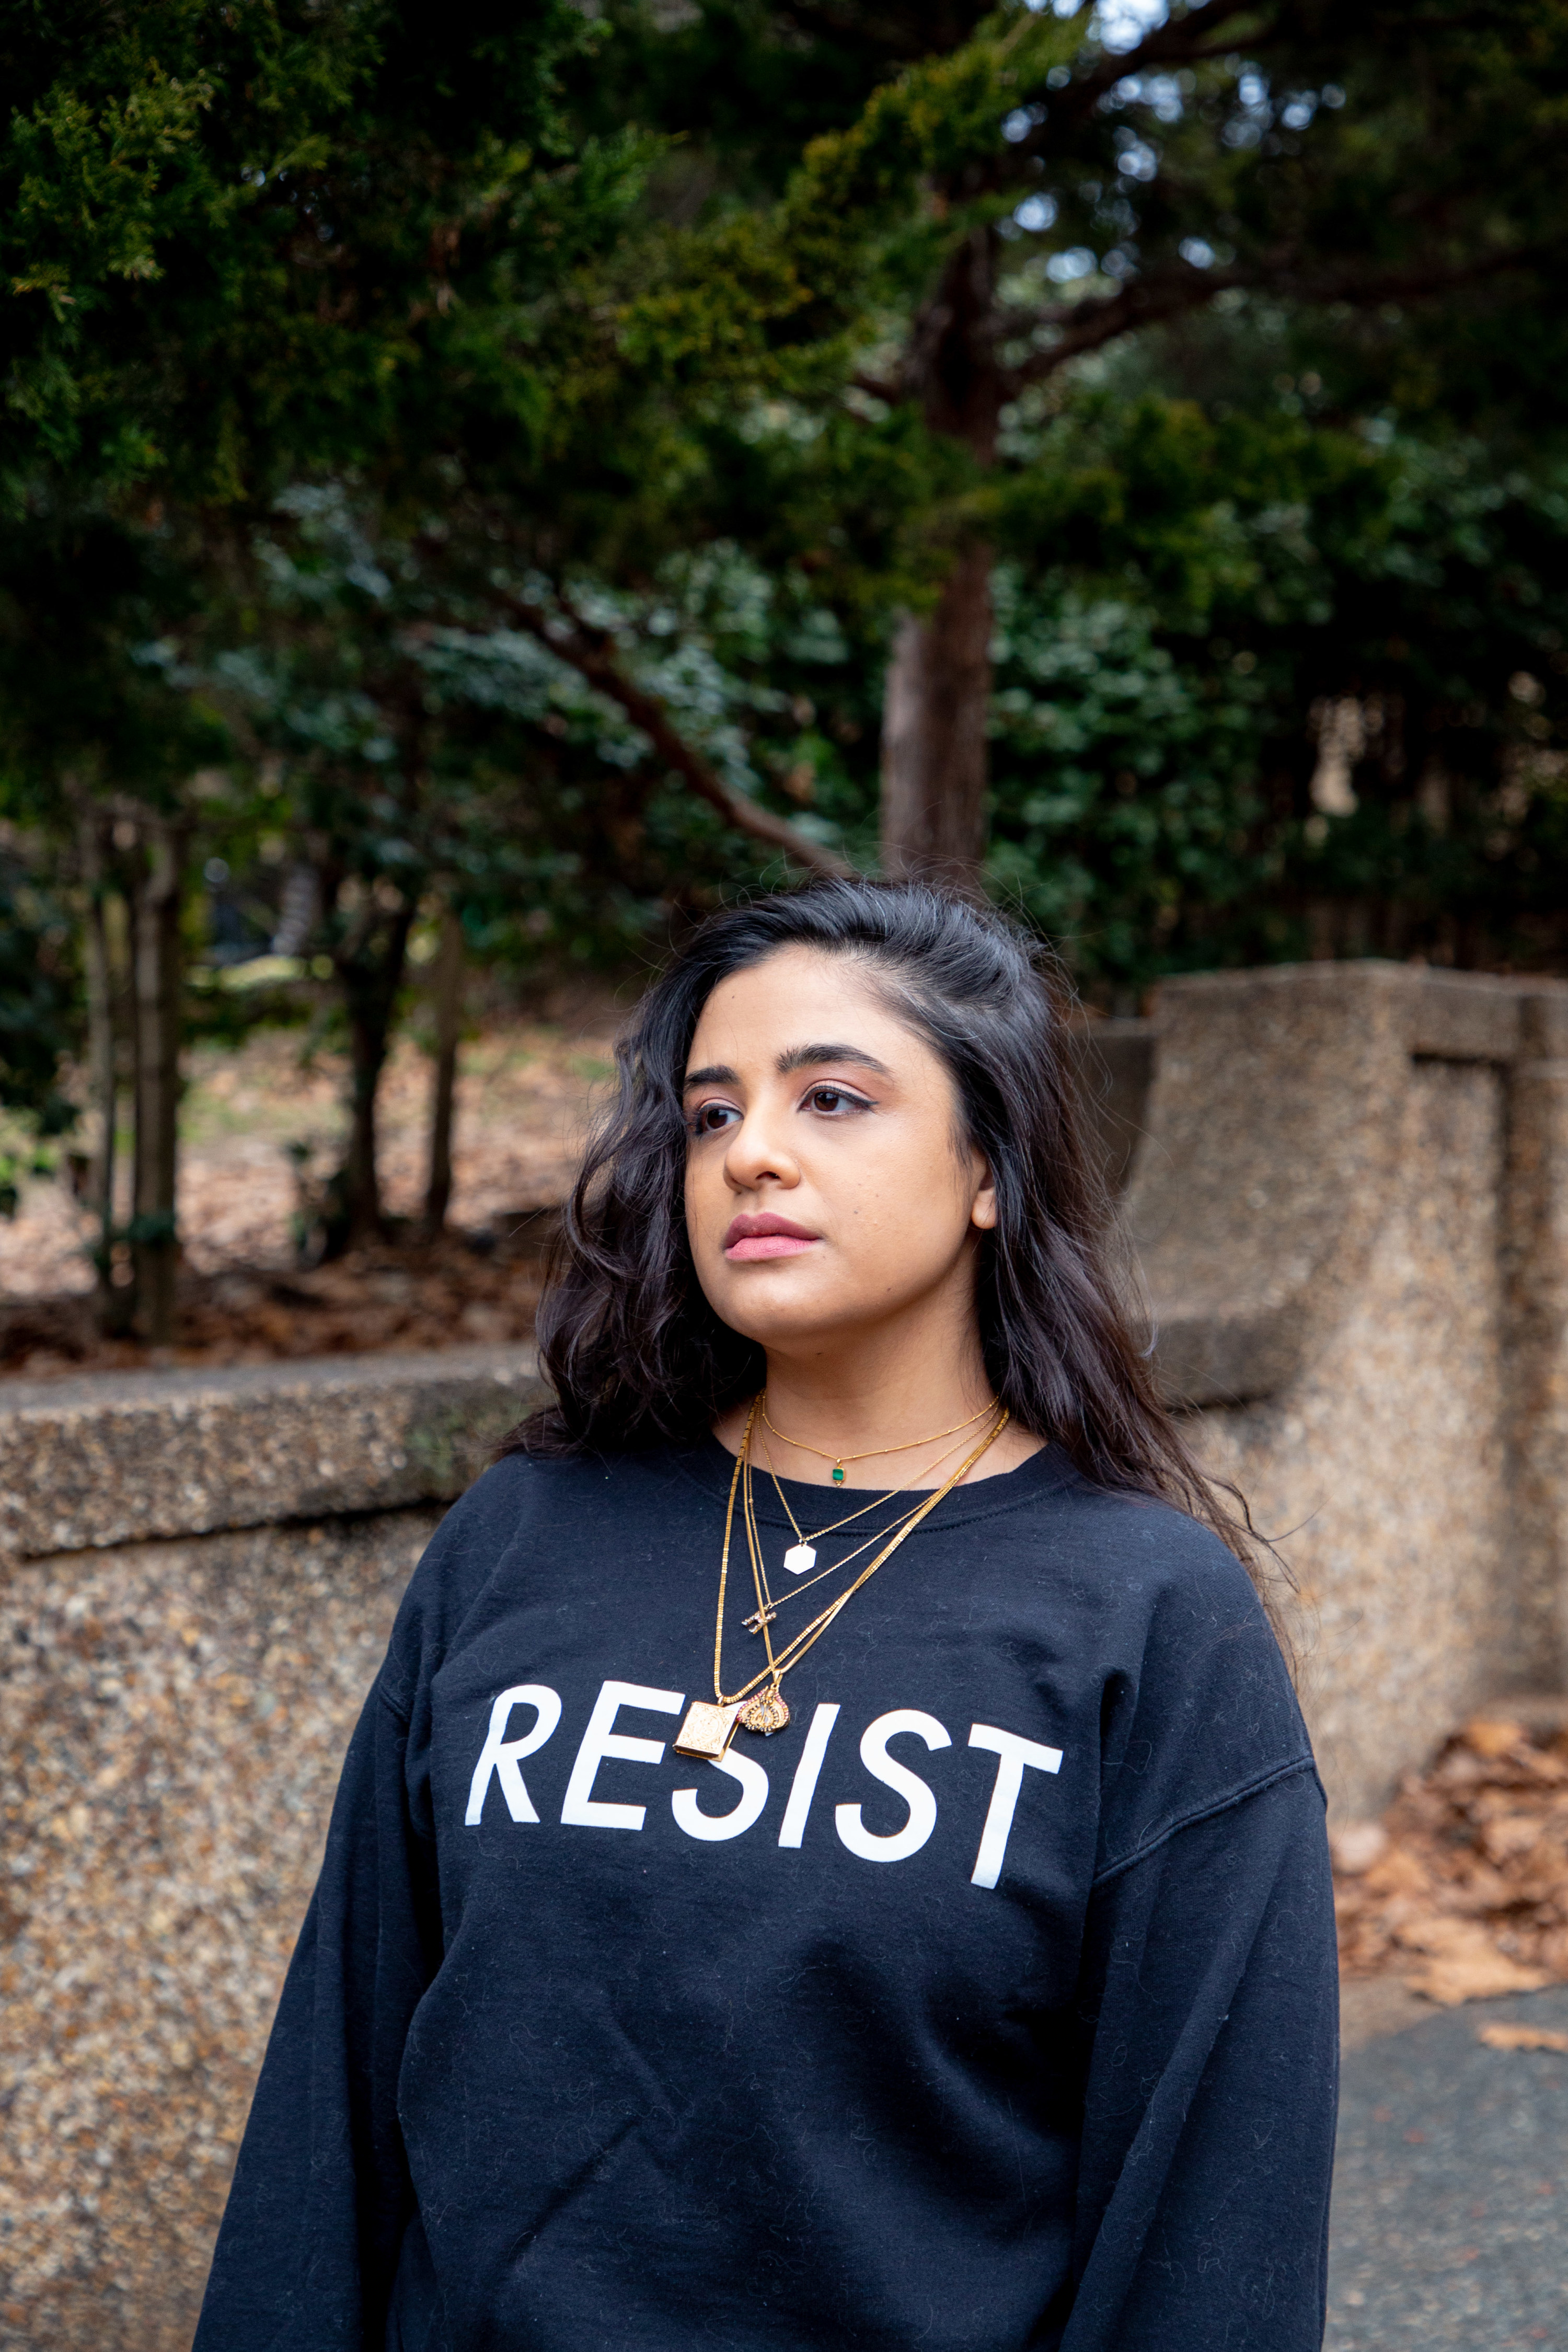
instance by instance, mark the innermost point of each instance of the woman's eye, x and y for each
(833, 1100)
(712, 1118)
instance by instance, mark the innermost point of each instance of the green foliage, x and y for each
(333, 330)
(1128, 814)
(40, 1013)
(235, 235)
(1224, 603)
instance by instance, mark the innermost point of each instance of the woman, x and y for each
(831, 1857)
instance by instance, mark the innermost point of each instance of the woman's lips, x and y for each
(765, 1237)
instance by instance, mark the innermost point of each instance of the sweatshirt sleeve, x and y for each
(321, 2196)
(1210, 1990)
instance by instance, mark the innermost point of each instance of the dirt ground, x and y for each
(525, 1090)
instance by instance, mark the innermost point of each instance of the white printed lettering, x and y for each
(754, 1783)
(1013, 1754)
(802, 1788)
(601, 1740)
(901, 1843)
(500, 1756)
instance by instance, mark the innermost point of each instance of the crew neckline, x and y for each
(711, 1466)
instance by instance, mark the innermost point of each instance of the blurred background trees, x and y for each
(502, 481)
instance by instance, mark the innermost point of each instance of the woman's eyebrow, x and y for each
(798, 1057)
(810, 1058)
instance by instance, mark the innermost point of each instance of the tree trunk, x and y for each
(103, 1077)
(933, 732)
(110, 887)
(370, 989)
(938, 681)
(156, 982)
(448, 992)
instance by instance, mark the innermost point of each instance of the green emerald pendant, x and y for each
(838, 1473)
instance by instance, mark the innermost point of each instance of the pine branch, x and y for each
(1087, 326)
(1185, 41)
(591, 652)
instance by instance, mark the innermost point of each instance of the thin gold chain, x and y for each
(884, 1495)
(872, 1452)
(724, 1557)
(773, 1606)
(796, 1649)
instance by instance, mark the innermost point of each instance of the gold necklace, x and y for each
(767, 1711)
(708, 1728)
(872, 1452)
(801, 1557)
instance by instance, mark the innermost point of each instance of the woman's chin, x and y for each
(776, 1312)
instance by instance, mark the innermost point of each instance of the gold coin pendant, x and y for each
(766, 1713)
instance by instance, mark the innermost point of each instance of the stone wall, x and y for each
(180, 1670)
(1348, 1186)
(1349, 1203)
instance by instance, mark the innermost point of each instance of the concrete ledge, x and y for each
(1224, 1359)
(1464, 1016)
(1115, 1061)
(122, 1457)
(1544, 1021)
(1445, 1016)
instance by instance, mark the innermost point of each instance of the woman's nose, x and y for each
(757, 1156)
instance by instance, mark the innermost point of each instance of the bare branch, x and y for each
(1087, 326)
(592, 654)
(1186, 41)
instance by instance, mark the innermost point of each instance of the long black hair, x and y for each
(633, 1349)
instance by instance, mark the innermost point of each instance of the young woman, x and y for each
(832, 1858)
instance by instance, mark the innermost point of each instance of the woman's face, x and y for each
(827, 1183)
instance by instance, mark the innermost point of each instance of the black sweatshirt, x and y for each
(989, 2004)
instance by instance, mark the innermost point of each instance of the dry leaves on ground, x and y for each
(1521, 2037)
(1463, 1887)
(408, 1293)
(524, 1093)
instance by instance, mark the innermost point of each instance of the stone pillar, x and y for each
(1536, 1261)
(1273, 1131)
(1336, 1276)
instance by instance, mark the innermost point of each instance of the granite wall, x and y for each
(1349, 1203)
(1348, 1189)
(198, 1576)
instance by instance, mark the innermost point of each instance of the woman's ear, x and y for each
(983, 1212)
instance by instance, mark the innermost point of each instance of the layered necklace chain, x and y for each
(759, 1704)
(840, 1460)
(801, 1557)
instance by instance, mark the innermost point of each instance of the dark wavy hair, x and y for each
(633, 1349)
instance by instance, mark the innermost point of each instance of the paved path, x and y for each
(1451, 2194)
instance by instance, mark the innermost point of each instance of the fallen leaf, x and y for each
(1440, 1932)
(1493, 1736)
(1356, 1845)
(1511, 1834)
(1465, 1964)
(1399, 1871)
(1522, 2037)
(1450, 1981)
